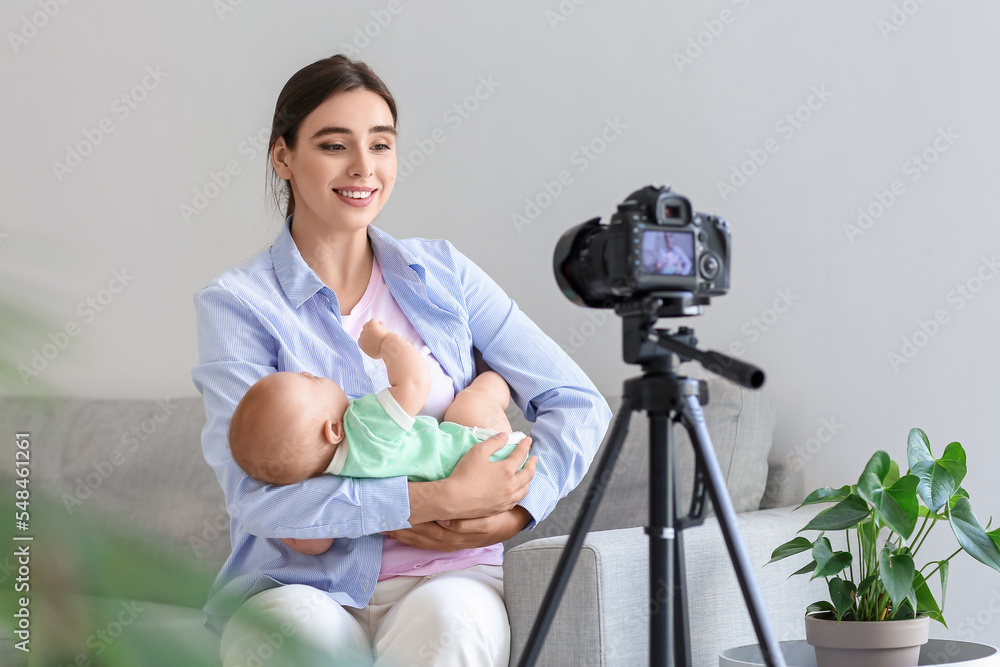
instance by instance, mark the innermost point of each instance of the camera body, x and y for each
(653, 245)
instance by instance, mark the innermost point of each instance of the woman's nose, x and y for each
(362, 165)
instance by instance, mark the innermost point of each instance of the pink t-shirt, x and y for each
(399, 559)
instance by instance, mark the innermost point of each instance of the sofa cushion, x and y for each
(741, 424)
(132, 464)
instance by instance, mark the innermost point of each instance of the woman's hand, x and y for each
(464, 533)
(477, 487)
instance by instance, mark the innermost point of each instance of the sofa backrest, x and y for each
(133, 464)
(138, 465)
(741, 425)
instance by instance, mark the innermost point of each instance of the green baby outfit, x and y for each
(382, 440)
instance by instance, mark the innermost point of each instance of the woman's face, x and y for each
(344, 163)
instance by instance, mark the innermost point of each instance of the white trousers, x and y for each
(448, 619)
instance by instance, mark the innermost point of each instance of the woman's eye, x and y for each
(382, 147)
(332, 147)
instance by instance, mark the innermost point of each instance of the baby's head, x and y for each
(287, 427)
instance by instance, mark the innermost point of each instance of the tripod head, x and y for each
(654, 349)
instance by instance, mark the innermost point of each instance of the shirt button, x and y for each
(384, 523)
(335, 531)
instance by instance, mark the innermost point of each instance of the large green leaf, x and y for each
(827, 494)
(898, 505)
(918, 447)
(995, 536)
(907, 609)
(936, 484)
(976, 542)
(804, 570)
(867, 583)
(893, 475)
(940, 478)
(842, 593)
(874, 474)
(926, 604)
(829, 562)
(790, 548)
(897, 575)
(821, 606)
(954, 460)
(845, 514)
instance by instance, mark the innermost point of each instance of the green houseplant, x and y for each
(887, 517)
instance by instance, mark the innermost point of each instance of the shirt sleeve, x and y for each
(571, 416)
(237, 346)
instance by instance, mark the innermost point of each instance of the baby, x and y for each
(293, 426)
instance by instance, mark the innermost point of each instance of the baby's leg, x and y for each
(483, 403)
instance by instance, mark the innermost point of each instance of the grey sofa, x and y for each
(137, 529)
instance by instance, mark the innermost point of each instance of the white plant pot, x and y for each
(866, 644)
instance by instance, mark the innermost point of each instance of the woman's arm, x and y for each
(570, 415)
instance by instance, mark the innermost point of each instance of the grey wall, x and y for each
(864, 331)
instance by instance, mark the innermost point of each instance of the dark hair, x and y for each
(307, 89)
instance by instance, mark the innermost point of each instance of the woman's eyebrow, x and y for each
(374, 129)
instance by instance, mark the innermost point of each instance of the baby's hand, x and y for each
(372, 335)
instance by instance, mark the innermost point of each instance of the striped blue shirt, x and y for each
(275, 314)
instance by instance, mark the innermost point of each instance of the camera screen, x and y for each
(668, 253)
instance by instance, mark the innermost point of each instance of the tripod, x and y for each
(665, 397)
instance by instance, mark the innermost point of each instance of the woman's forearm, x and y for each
(428, 502)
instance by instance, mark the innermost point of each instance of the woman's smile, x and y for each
(356, 196)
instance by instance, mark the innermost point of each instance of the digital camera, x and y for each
(653, 245)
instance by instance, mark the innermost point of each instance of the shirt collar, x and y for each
(393, 257)
(300, 282)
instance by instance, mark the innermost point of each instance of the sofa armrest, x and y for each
(603, 618)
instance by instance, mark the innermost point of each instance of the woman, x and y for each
(414, 574)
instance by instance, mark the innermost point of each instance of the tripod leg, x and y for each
(662, 568)
(669, 642)
(682, 647)
(602, 475)
(694, 421)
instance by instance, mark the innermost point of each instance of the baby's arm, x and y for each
(483, 403)
(409, 377)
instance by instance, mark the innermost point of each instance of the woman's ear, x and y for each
(280, 154)
(333, 431)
